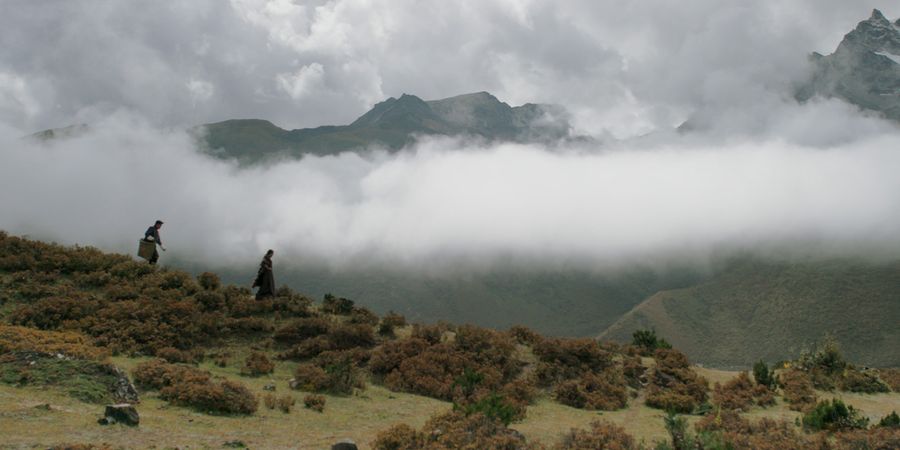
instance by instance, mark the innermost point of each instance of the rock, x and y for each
(121, 413)
(345, 444)
(269, 387)
(293, 383)
(123, 390)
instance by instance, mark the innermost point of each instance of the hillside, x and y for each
(864, 69)
(207, 365)
(390, 124)
(755, 310)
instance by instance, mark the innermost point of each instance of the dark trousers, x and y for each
(154, 257)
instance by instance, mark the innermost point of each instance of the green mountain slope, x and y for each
(390, 124)
(755, 310)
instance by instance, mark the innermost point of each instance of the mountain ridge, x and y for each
(390, 124)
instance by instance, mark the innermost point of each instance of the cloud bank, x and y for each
(764, 172)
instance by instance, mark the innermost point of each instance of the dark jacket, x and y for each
(152, 231)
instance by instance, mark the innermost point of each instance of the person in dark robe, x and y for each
(265, 278)
(152, 234)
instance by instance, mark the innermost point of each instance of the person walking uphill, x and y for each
(265, 278)
(152, 235)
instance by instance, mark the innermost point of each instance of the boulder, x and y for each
(345, 444)
(123, 413)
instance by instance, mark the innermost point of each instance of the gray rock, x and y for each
(345, 444)
(269, 387)
(123, 389)
(123, 413)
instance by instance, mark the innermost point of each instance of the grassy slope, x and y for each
(767, 311)
(357, 417)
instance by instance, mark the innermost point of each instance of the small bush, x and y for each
(674, 386)
(601, 435)
(337, 305)
(209, 281)
(740, 393)
(347, 336)
(300, 330)
(879, 438)
(834, 416)
(257, 364)
(647, 341)
(390, 322)
(285, 403)
(764, 376)
(363, 316)
(798, 390)
(339, 376)
(308, 349)
(398, 437)
(891, 377)
(314, 402)
(567, 359)
(854, 380)
(173, 355)
(270, 401)
(603, 391)
(891, 420)
(524, 335)
(227, 397)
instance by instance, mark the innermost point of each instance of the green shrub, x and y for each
(763, 375)
(834, 416)
(891, 420)
(493, 406)
(647, 341)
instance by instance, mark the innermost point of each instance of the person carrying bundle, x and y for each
(151, 238)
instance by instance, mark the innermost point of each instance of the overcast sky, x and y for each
(767, 171)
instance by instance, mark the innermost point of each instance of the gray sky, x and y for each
(768, 173)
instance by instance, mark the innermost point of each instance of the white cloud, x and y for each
(303, 82)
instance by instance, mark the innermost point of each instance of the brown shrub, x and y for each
(209, 281)
(673, 385)
(740, 393)
(270, 401)
(433, 334)
(347, 336)
(157, 374)
(173, 355)
(308, 349)
(300, 330)
(363, 316)
(210, 300)
(399, 437)
(69, 343)
(309, 377)
(891, 377)
(736, 432)
(798, 390)
(314, 402)
(878, 438)
(603, 391)
(389, 356)
(244, 326)
(634, 371)
(82, 447)
(855, 380)
(51, 312)
(476, 431)
(389, 322)
(602, 435)
(566, 359)
(227, 397)
(521, 392)
(285, 403)
(337, 305)
(524, 335)
(257, 364)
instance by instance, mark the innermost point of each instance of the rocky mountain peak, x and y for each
(874, 34)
